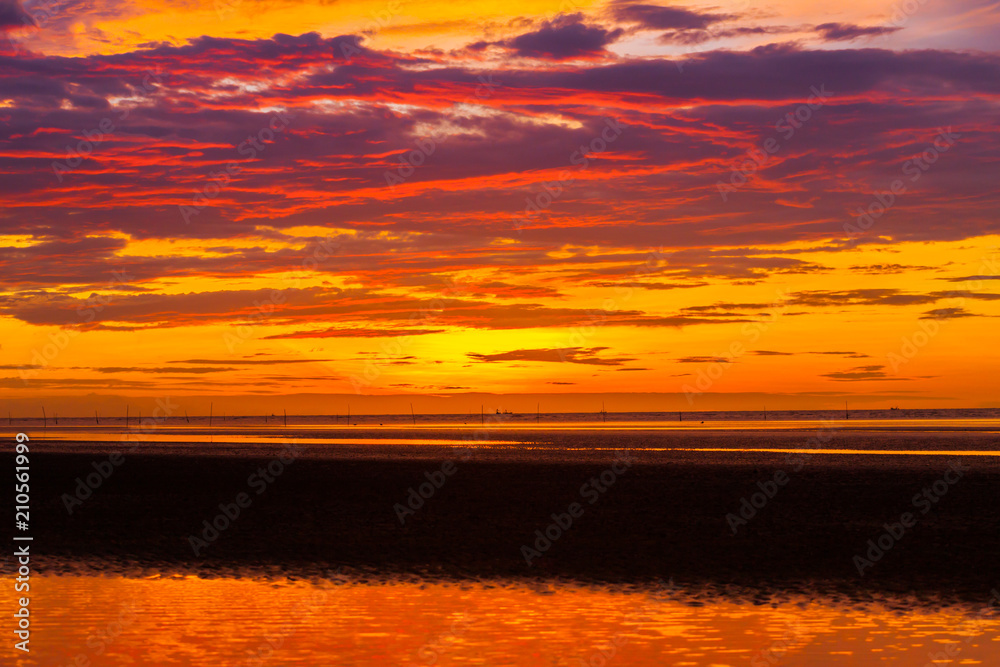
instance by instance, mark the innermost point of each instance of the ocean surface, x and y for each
(319, 571)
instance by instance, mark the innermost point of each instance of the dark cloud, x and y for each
(703, 360)
(249, 362)
(160, 370)
(573, 355)
(960, 279)
(947, 314)
(850, 355)
(564, 38)
(862, 374)
(356, 332)
(883, 269)
(882, 297)
(12, 15)
(656, 17)
(834, 32)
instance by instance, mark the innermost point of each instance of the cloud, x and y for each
(851, 355)
(355, 332)
(158, 370)
(884, 269)
(573, 355)
(12, 15)
(564, 38)
(972, 278)
(862, 374)
(881, 297)
(656, 17)
(249, 362)
(832, 32)
(703, 360)
(947, 314)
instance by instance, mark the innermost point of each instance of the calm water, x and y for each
(112, 619)
(253, 622)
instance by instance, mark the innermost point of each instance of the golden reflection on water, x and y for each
(113, 620)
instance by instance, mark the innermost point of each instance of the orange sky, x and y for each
(585, 197)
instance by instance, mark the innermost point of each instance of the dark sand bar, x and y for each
(664, 517)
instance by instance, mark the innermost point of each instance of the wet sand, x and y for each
(663, 518)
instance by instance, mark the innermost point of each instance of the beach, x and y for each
(722, 516)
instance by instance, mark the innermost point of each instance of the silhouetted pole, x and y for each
(482, 414)
(680, 416)
(210, 407)
(45, 420)
(96, 418)
(126, 415)
(847, 415)
(538, 413)
(413, 415)
(765, 413)
(286, 417)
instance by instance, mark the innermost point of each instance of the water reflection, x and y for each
(184, 620)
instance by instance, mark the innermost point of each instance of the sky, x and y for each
(704, 201)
